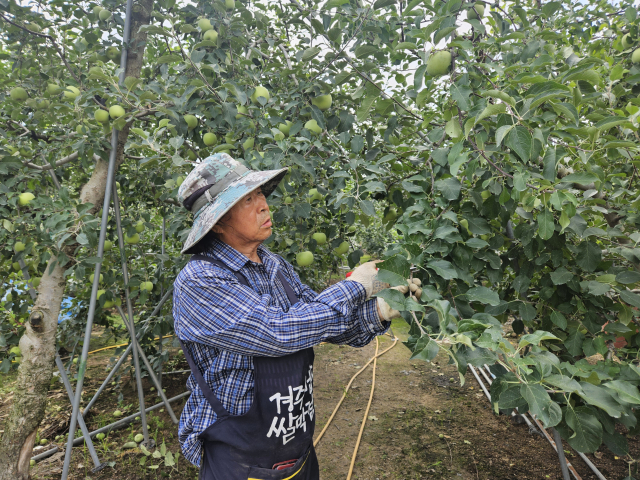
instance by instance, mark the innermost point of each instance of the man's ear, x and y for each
(217, 229)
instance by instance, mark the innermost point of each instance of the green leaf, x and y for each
(491, 110)
(631, 298)
(406, 46)
(440, 34)
(546, 227)
(625, 390)
(540, 404)
(628, 277)
(549, 162)
(581, 178)
(394, 270)
(310, 53)
(425, 349)
(383, 3)
(558, 319)
(561, 276)
(365, 50)
(482, 295)
(449, 187)
(460, 94)
(505, 97)
(574, 341)
(616, 442)
(535, 338)
(501, 133)
(169, 59)
(587, 430)
(563, 382)
(443, 268)
(589, 256)
(478, 225)
(610, 122)
(363, 112)
(599, 396)
(519, 140)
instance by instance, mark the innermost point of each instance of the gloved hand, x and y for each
(386, 312)
(366, 274)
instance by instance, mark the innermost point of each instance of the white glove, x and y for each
(366, 274)
(385, 312)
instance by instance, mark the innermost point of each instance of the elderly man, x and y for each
(247, 326)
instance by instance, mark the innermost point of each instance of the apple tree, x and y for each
(492, 144)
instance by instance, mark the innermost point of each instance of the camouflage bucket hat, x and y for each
(216, 185)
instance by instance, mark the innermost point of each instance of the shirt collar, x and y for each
(236, 260)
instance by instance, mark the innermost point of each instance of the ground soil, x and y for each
(413, 405)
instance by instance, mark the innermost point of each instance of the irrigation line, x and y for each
(346, 389)
(540, 426)
(366, 411)
(103, 234)
(123, 422)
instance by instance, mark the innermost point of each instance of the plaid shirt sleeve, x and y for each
(217, 310)
(366, 324)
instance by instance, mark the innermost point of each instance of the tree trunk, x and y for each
(38, 342)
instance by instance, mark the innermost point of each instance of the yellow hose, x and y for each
(123, 344)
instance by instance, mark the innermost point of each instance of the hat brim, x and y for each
(208, 216)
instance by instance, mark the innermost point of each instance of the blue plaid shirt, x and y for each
(224, 324)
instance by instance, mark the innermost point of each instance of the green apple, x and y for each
(229, 4)
(323, 102)
(365, 258)
(635, 56)
(95, 71)
(35, 282)
(304, 259)
(9, 297)
(97, 9)
(192, 121)
(179, 180)
(93, 276)
(24, 199)
(99, 294)
(342, 248)
(485, 194)
(210, 139)
(248, 143)
(138, 438)
(471, 13)
(205, 24)
(32, 463)
(53, 89)
(113, 53)
(352, 228)
(241, 110)
(627, 41)
(390, 216)
(43, 441)
(279, 136)
(16, 266)
(288, 200)
(211, 36)
(108, 245)
(320, 238)
(104, 15)
(18, 94)
(140, 226)
(117, 413)
(313, 127)
(116, 111)
(148, 286)
(75, 361)
(285, 127)
(260, 91)
(112, 303)
(15, 350)
(100, 436)
(439, 63)
(191, 155)
(465, 224)
(132, 240)
(314, 194)
(71, 92)
(101, 116)
(18, 247)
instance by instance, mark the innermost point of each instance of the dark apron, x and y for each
(278, 426)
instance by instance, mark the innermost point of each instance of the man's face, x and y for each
(248, 220)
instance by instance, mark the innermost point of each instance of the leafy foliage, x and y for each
(510, 182)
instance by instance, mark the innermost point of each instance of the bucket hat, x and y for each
(214, 186)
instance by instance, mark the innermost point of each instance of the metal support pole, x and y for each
(82, 364)
(124, 355)
(92, 451)
(560, 450)
(130, 324)
(162, 250)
